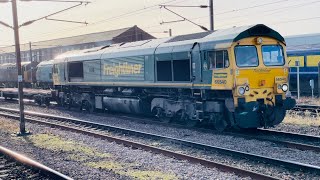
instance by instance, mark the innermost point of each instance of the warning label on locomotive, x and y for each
(220, 75)
(122, 69)
(262, 70)
(280, 79)
(220, 81)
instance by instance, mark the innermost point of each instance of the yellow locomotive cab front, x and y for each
(260, 82)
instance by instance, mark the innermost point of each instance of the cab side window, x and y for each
(218, 59)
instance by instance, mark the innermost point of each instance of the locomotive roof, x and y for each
(304, 42)
(14, 64)
(219, 39)
(44, 63)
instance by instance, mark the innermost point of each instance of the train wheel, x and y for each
(87, 106)
(219, 122)
(39, 102)
(191, 123)
(165, 119)
(181, 117)
(67, 103)
(160, 115)
(47, 102)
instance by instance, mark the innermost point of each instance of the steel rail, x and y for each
(305, 107)
(308, 106)
(290, 135)
(102, 135)
(255, 157)
(25, 161)
(289, 144)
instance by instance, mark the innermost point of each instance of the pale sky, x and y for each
(289, 17)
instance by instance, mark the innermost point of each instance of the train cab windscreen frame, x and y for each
(246, 56)
(272, 55)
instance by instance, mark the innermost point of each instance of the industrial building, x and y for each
(47, 50)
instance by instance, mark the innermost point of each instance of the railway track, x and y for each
(103, 131)
(290, 140)
(16, 166)
(313, 109)
(287, 139)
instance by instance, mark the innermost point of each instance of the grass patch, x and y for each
(8, 126)
(149, 175)
(308, 100)
(79, 157)
(109, 165)
(87, 155)
(78, 152)
(303, 120)
(129, 170)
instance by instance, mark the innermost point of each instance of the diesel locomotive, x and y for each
(235, 77)
(9, 74)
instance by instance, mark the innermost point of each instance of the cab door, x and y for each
(58, 73)
(206, 71)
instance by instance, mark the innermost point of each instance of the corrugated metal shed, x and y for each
(68, 41)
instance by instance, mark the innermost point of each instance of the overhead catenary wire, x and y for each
(120, 16)
(45, 17)
(296, 20)
(287, 7)
(251, 7)
(273, 11)
(145, 9)
(138, 11)
(202, 27)
(130, 13)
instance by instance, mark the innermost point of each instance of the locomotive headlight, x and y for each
(259, 40)
(285, 87)
(241, 90)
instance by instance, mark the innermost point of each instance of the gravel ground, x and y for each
(239, 162)
(252, 146)
(84, 157)
(311, 130)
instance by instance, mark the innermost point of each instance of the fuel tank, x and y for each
(124, 105)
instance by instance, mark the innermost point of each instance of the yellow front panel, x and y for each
(293, 59)
(262, 81)
(313, 61)
(260, 77)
